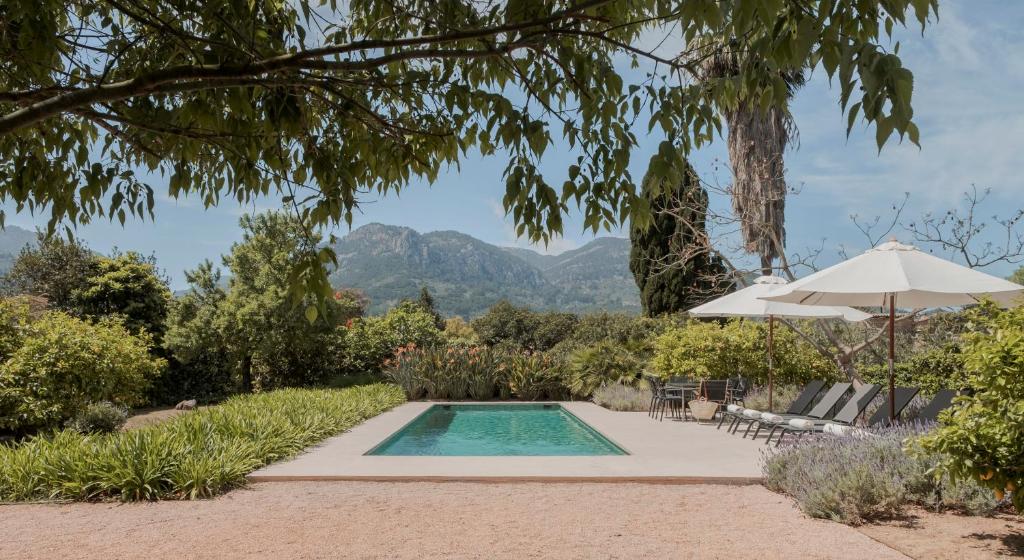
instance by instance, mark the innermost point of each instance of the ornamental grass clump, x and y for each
(623, 398)
(859, 478)
(196, 455)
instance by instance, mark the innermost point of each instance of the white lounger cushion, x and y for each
(801, 424)
(838, 429)
(734, 408)
(773, 418)
(752, 414)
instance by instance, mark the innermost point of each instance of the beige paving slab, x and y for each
(669, 451)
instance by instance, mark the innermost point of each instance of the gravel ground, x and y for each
(439, 520)
(922, 534)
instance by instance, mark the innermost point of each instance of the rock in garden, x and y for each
(186, 405)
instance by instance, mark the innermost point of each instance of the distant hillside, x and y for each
(12, 240)
(466, 275)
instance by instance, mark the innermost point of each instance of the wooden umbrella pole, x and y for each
(892, 357)
(771, 342)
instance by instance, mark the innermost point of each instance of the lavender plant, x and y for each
(857, 478)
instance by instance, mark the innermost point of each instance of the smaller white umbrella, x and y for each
(748, 303)
(896, 275)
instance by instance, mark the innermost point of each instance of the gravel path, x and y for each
(439, 520)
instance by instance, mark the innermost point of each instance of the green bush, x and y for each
(369, 342)
(64, 363)
(601, 364)
(456, 372)
(982, 438)
(859, 478)
(931, 370)
(737, 348)
(99, 418)
(623, 398)
(196, 455)
(521, 328)
(535, 376)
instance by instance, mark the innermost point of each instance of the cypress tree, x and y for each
(672, 268)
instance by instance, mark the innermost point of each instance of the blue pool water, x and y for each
(501, 429)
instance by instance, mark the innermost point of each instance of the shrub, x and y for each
(623, 398)
(520, 328)
(368, 343)
(858, 478)
(737, 348)
(981, 439)
(192, 456)
(931, 370)
(99, 418)
(602, 364)
(458, 331)
(65, 363)
(535, 376)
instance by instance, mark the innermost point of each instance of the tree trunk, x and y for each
(247, 373)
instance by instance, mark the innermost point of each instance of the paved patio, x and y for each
(668, 452)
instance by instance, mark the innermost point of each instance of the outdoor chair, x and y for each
(821, 411)
(849, 414)
(799, 406)
(941, 401)
(737, 390)
(655, 385)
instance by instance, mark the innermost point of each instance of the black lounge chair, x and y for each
(852, 410)
(798, 406)
(941, 401)
(821, 411)
(903, 396)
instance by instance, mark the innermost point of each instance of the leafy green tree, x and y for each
(315, 102)
(980, 438)
(55, 269)
(65, 363)
(128, 285)
(738, 347)
(505, 324)
(368, 343)
(200, 367)
(274, 341)
(672, 260)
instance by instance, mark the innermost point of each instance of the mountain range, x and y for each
(466, 275)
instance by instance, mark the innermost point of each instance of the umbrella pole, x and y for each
(771, 340)
(892, 356)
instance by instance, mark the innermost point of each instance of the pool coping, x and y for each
(668, 452)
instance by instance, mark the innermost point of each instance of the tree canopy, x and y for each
(320, 103)
(672, 261)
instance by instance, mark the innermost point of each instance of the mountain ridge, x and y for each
(467, 275)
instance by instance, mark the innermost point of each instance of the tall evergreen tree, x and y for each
(426, 301)
(670, 259)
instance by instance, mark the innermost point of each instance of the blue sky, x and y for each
(969, 79)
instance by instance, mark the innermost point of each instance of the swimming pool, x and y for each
(495, 430)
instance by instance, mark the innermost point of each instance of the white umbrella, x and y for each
(896, 275)
(747, 303)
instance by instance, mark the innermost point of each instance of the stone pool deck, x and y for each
(670, 452)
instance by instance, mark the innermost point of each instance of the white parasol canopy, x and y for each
(747, 303)
(916, 279)
(895, 275)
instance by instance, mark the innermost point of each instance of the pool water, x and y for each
(492, 430)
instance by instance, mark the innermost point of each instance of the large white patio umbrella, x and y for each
(895, 275)
(748, 303)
